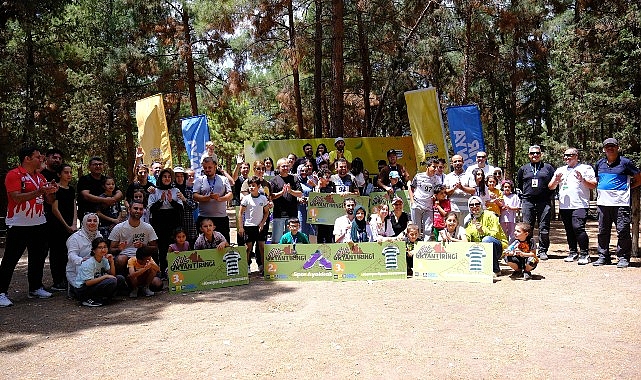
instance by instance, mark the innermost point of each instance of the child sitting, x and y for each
(210, 239)
(520, 255)
(96, 282)
(411, 239)
(294, 236)
(442, 207)
(142, 272)
(180, 241)
(453, 231)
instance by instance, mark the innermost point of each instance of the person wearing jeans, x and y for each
(483, 226)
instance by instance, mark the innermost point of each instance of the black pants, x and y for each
(18, 238)
(574, 223)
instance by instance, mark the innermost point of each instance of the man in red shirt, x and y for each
(27, 190)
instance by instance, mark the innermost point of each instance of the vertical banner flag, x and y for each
(426, 124)
(195, 135)
(152, 130)
(466, 132)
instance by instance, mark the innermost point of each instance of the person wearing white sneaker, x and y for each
(142, 272)
(97, 282)
(574, 182)
(27, 191)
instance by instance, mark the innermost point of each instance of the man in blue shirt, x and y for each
(616, 175)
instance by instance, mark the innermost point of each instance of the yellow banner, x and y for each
(426, 124)
(152, 130)
(369, 149)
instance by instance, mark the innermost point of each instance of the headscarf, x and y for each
(477, 199)
(358, 232)
(162, 186)
(85, 231)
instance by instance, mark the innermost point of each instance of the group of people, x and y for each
(124, 239)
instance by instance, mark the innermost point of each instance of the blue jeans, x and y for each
(497, 248)
(279, 225)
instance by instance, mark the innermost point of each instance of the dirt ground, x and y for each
(570, 322)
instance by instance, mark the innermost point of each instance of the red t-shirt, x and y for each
(28, 213)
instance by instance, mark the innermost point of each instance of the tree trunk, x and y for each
(294, 62)
(189, 59)
(318, 70)
(338, 103)
(365, 72)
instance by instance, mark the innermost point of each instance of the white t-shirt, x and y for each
(253, 209)
(459, 197)
(124, 231)
(423, 190)
(573, 194)
(342, 228)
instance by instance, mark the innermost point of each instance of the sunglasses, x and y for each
(534, 153)
(475, 205)
(568, 155)
(481, 156)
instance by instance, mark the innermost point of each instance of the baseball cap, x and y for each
(338, 139)
(179, 169)
(396, 200)
(610, 141)
(394, 174)
(391, 151)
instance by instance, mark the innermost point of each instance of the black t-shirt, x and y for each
(285, 206)
(87, 182)
(399, 225)
(533, 180)
(65, 198)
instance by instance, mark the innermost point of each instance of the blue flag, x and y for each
(466, 132)
(195, 134)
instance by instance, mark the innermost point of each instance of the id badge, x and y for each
(535, 182)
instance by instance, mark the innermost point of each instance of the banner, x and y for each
(195, 134)
(470, 262)
(207, 269)
(369, 149)
(335, 262)
(426, 124)
(153, 135)
(466, 132)
(325, 208)
(378, 198)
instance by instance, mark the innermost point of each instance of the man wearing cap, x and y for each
(212, 191)
(616, 175)
(393, 165)
(481, 162)
(536, 197)
(459, 186)
(339, 152)
(574, 182)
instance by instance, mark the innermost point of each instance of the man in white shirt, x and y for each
(481, 162)
(459, 186)
(574, 182)
(343, 224)
(126, 237)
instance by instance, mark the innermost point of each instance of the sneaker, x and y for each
(584, 259)
(623, 263)
(60, 287)
(571, 257)
(4, 300)
(147, 291)
(133, 293)
(543, 255)
(527, 276)
(312, 260)
(602, 261)
(39, 293)
(91, 303)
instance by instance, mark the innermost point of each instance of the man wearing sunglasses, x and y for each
(533, 180)
(574, 182)
(481, 162)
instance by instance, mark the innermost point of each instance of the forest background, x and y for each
(551, 72)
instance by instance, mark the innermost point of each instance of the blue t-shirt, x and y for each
(90, 269)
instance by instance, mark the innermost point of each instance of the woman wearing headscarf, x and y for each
(483, 226)
(79, 244)
(361, 231)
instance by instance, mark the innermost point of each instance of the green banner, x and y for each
(378, 198)
(325, 208)
(470, 262)
(335, 262)
(206, 269)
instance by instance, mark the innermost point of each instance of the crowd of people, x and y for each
(123, 239)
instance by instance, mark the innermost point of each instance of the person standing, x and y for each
(459, 186)
(285, 193)
(212, 191)
(339, 152)
(27, 190)
(90, 188)
(574, 182)
(533, 180)
(616, 175)
(481, 163)
(383, 181)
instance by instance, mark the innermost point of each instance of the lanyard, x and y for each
(535, 169)
(211, 184)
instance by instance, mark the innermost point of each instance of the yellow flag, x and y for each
(152, 130)
(426, 124)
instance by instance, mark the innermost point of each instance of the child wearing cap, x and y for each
(421, 194)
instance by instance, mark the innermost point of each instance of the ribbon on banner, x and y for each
(466, 132)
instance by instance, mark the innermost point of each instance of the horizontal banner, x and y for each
(335, 262)
(206, 269)
(325, 208)
(469, 262)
